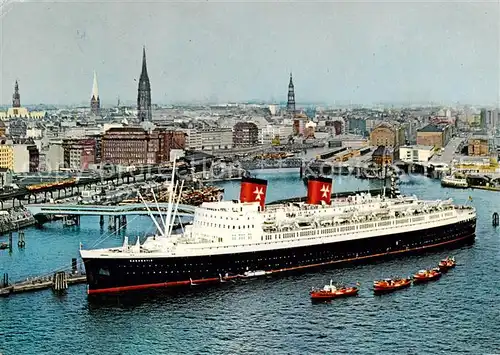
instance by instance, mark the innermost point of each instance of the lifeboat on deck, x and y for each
(446, 264)
(390, 285)
(426, 275)
(329, 292)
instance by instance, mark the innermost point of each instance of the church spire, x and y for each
(144, 72)
(95, 102)
(16, 98)
(144, 93)
(95, 90)
(290, 105)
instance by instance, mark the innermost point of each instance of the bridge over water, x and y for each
(99, 210)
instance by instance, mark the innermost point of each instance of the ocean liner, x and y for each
(245, 238)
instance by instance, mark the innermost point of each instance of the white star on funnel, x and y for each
(258, 192)
(325, 190)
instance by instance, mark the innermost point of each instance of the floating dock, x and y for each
(59, 282)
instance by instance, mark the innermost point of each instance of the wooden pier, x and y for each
(59, 282)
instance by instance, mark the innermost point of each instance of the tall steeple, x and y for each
(290, 105)
(144, 93)
(95, 102)
(16, 98)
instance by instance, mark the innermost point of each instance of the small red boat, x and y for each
(446, 264)
(390, 285)
(426, 275)
(330, 292)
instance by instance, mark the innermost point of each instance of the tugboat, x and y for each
(426, 275)
(390, 285)
(446, 264)
(330, 292)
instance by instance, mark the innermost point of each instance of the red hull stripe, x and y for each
(216, 279)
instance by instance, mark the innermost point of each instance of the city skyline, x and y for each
(220, 52)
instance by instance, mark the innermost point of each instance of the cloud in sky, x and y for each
(360, 52)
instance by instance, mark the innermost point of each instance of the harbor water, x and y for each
(457, 314)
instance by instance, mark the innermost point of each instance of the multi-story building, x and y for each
(26, 156)
(78, 153)
(416, 153)
(275, 133)
(479, 146)
(489, 119)
(383, 155)
(436, 135)
(357, 125)
(388, 135)
(216, 138)
(98, 146)
(130, 146)
(169, 141)
(54, 156)
(17, 128)
(3, 129)
(193, 139)
(245, 134)
(6, 155)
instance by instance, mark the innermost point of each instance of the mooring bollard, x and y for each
(20, 241)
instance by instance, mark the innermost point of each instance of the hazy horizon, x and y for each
(359, 53)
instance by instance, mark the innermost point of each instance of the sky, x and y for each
(199, 52)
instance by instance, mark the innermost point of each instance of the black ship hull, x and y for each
(118, 275)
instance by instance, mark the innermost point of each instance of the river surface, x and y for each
(458, 314)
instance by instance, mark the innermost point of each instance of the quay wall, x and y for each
(17, 218)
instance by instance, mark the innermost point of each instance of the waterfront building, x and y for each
(349, 141)
(383, 155)
(245, 134)
(416, 153)
(95, 102)
(478, 146)
(436, 135)
(144, 112)
(388, 135)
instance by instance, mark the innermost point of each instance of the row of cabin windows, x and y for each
(342, 229)
(211, 224)
(221, 217)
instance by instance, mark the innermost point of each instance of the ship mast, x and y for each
(171, 191)
(151, 215)
(175, 210)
